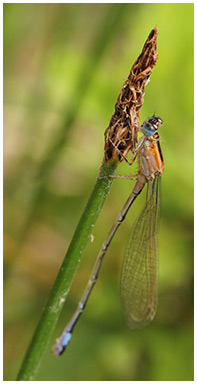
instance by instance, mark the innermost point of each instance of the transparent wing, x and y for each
(139, 279)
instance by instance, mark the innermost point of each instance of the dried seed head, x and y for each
(123, 127)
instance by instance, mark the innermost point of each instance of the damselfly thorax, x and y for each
(150, 159)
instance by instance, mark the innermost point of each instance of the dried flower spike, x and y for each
(123, 126)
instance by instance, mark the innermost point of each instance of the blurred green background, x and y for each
(64, 66)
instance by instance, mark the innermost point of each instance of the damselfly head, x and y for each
(150, 126)
(156, 121)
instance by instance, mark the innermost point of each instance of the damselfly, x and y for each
(139, 279)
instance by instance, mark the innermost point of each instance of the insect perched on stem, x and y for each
(139, 279)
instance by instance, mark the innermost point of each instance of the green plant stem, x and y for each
(66, 274)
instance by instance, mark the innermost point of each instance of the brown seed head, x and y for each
(123, 126)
